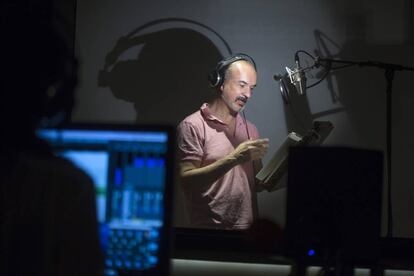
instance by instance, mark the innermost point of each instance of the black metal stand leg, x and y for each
(298, 268)
(376, 270)
(344, 269)
(389, 75)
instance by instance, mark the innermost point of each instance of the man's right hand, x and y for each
(250, 150)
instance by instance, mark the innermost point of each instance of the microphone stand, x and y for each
(389, 69)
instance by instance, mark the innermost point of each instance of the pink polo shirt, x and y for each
(230, 202)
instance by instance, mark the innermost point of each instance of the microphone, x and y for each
(277, 77)
(297, 77)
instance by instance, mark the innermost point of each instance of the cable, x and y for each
(245, 124)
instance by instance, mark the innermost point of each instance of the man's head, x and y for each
(235, 80)
(217, 76)
(39, 71)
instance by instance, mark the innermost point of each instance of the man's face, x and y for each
(238, 85)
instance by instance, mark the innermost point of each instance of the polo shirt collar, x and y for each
(205, 111)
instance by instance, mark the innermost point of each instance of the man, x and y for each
(48, 222)
(220, 151)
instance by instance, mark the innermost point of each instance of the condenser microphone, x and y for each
(297, 77)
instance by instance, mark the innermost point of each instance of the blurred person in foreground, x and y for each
(48, 215)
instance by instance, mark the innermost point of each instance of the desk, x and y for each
(181, 267)
(204, 252)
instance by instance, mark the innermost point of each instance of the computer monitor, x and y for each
(133, 171)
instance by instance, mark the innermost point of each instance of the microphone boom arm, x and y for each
(390, 69)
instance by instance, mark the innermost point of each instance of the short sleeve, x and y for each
(190, 142)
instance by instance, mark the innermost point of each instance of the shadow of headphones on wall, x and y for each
(135, 38)
(146, 67)
(216, 76)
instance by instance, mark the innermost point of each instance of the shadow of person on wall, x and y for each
(167, 79)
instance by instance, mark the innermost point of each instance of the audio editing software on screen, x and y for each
(129, 172)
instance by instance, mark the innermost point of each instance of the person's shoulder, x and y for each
(195, 119)
(55, 171)
(67, 168)
(195, 116)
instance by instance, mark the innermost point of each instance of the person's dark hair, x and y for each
(48, 222)
(38, 71)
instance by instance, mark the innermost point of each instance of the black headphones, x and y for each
(216, 77)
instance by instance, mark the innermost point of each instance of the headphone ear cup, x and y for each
(214, 78)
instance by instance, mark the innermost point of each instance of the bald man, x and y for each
(220, 152)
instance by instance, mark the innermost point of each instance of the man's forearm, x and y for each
(210, 173)
(250, 150)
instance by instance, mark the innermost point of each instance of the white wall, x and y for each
(271, 32)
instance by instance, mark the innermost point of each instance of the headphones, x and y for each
(216, 77)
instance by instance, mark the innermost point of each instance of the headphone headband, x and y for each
(216, 77)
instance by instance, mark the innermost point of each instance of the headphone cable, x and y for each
(245, 124)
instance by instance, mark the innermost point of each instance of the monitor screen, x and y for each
(132, 168)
